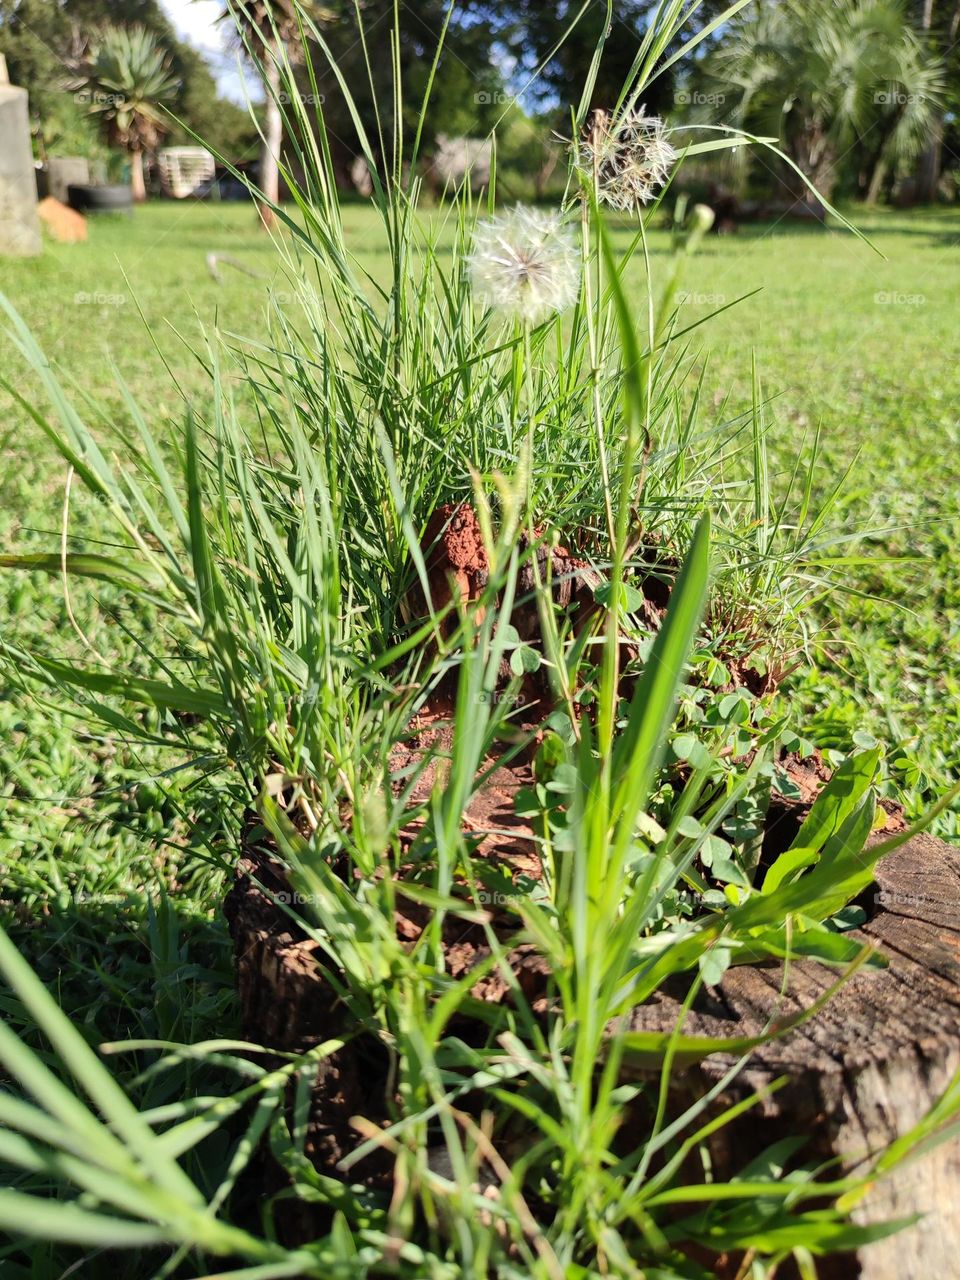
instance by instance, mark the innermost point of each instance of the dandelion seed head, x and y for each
(525, 263)
(630, 157)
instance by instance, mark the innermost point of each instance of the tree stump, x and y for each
(869, 1065)
(861, 1073)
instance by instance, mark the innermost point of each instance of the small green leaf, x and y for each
(524, 660)
(691, 750)
(715, 847)
(508, 635)
(733, 708)
(690, 828)
(714, 964)
(630, 598)
(851, 917)
(727, 872)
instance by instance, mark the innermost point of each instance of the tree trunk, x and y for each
(545, 171)
(137, 185)
(822, 170)
(877, 181)
(931, 159)
(815, 157)
(928, 170)
(272, 137)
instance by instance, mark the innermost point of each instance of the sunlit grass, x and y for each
(860, 346)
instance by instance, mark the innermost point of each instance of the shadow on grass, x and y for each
(154, 965)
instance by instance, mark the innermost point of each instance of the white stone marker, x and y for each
(19, 226)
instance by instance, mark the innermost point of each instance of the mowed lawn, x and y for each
(863, 345)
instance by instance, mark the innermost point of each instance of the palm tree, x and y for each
(940, 24)
(913, 112)
(270, 33)
(126, 77)
(830, 78)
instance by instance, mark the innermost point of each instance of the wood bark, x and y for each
(877, 180)
(138, 187)
(272, 136)
(870, 1065)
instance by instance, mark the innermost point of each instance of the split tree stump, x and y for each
(861, 1073)
(869, 1065)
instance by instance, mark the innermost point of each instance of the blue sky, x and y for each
(195, 21)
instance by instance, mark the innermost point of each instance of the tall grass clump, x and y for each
(498, 373)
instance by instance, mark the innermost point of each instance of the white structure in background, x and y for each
(451, 160)
(360, 176)
(19, 228)
(454, 158)
(184, 169)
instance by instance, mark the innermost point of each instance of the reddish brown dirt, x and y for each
(62, 222)
(743, 675)
(458, 570)
(456, 562)
(811, 774)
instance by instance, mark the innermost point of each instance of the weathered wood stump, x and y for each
(861, 1073)
(869, 1065)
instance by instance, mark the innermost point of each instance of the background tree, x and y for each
(539, 32)
(126, 78)
(537, 29)
(910, 109)
(468, 93)
(835, 80)
(43, 43)
(939, 20)
(269, 32)
(37, 41)
(223, 125)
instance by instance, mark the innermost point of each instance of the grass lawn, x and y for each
(862, 345)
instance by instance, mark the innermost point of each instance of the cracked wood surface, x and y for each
(868, 1066)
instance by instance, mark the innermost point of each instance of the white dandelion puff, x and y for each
(630, 158)
(525, 263)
